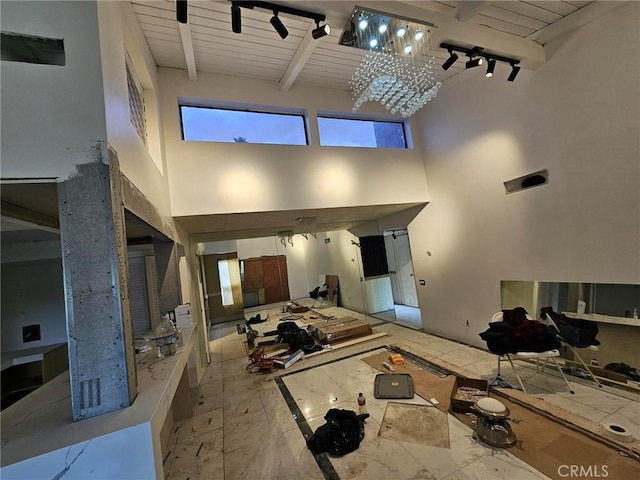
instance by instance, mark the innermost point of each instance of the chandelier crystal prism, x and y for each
(396, 71)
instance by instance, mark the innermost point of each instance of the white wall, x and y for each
(308, 260)
(207, 178)
(578, 116)
(337, 257)
(52, 116)
(33, 296)
(120, 30)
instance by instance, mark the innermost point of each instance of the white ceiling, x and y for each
(515, 29)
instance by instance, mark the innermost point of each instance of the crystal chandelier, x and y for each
(395, 70)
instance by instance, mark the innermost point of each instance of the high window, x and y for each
(136, 103)
(349, 132)
(205, 124)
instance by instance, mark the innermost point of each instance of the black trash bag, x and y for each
(342, 433)
(297, 338)
(624, 369)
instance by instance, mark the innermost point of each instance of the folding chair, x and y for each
(566, 343)
(546, 355)
(320, 292)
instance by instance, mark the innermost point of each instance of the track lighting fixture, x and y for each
(473, 62)
(320, 31)
(514, 73)
(450, 61)
(236, 20)
(476, 56)
(491, 65)
(279, 26)
(181, 11)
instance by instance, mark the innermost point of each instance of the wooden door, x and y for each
(276, 279)
(216, 310)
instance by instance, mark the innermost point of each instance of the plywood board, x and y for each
(332, 286)
(544, 442)
(425, 384)
(341, 329)
(412, 423)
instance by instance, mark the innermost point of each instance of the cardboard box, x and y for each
(341, 329)
(288, 361)
(464, 406)
(183, 316)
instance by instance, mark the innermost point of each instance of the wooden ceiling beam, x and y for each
(468, 9)
(187, 46)
(304, 51)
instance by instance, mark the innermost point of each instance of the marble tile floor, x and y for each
(404, 315)
(243, 428)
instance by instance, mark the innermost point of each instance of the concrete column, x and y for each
(166, 255)
(94, 254)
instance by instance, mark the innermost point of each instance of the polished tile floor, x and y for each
(249, 425)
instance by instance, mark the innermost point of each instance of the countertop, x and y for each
(42, 422)
(596, 317)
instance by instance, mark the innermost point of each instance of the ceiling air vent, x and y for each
(31, 49)
(527, 181)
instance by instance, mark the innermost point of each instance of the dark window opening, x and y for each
(31, 333)
(374, 256)
(16, 47)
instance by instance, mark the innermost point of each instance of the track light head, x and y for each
(320, 31)
(450, 61)
(491, 65)
(236, 19)
(473, 62)
(476, 56)
(279, 26)
(514, 73)
(181, 11)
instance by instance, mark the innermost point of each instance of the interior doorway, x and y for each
(402, 278)
(403, 285)
(222, 288)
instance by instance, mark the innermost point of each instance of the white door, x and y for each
(404, 268)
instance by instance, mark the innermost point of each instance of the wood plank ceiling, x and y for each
(516, 29)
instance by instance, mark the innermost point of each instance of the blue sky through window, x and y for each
(218, 125)
(345, 132)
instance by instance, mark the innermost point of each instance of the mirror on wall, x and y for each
(614, 307)
(619, 301)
